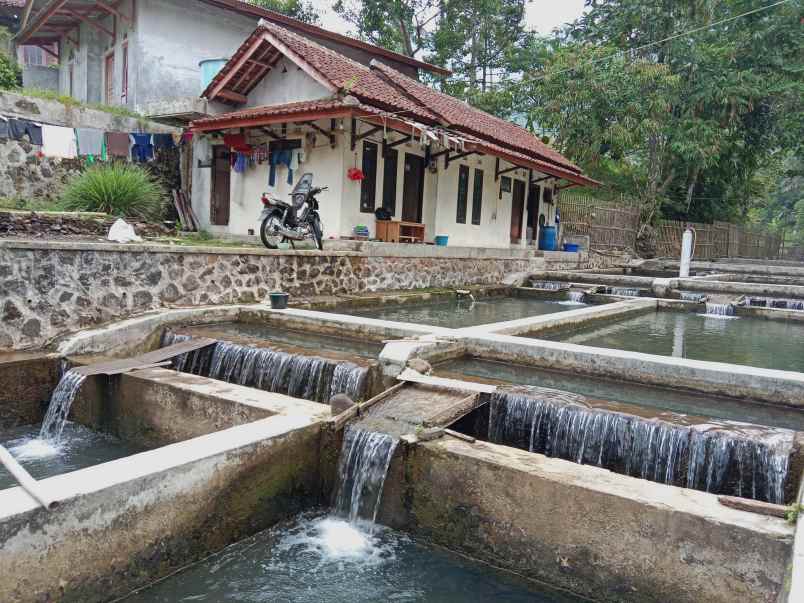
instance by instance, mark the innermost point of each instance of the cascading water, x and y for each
(549, 285)
(705, 458)
(60, 403)
(363, 467)
(721, 310)
(784, 304)
(578, 297)
(308, 377)
(625, 291)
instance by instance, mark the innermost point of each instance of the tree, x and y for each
(736, 102)
(298, 9)
(10, 72)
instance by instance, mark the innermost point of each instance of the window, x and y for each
(463, 193)
(389, 181)
(477, 197)
(368, 187)
(109, 79)
(124, 93)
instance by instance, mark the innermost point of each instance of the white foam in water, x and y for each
(724, 311)
(35, 448)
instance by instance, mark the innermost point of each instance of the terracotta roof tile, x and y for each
(288, 109)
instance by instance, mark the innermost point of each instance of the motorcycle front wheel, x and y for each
(317, 234)
(269, 231)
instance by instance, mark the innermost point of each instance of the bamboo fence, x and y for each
(614, 225)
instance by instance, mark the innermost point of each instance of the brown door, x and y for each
(221, 173)
(517, 208)
(413, 188)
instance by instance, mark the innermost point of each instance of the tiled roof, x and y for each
(382, 88)
(463, 116)
(288, 109)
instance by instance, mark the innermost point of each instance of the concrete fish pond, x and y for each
(417, 446)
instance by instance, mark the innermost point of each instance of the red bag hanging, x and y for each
(355, 174)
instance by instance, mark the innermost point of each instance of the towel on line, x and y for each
(118, 144)
(58, 141)
(90, 141)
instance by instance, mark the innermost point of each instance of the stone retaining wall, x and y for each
(49, 289)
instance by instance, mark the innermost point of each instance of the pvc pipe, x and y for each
(28, 483)
(686, 254)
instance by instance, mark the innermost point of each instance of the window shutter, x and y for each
(477, 197)
(368, 186)
(463, 194)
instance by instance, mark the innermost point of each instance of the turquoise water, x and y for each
(678, 401)
(773, 344)
(458, 314)
(80, 447)
(325, 559)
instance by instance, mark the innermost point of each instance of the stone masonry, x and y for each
(49, 289)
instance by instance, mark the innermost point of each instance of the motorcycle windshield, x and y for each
(304, 185)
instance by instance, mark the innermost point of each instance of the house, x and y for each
(427, 158)
(146, 54)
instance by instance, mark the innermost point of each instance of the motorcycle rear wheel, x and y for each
(270, 238)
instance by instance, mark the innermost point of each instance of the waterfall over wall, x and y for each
(549, 285)
(625, 291)
(363, 467)
(708, 458)
(60, 402)
(720, 309)
(309, 377)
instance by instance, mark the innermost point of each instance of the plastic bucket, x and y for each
(279, 301)
(572, 247)
(547, 238)
(209, 69)
(442, 240)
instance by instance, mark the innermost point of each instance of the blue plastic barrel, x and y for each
(547, 238)
(442, 240)
(573, 247)
(209, 69)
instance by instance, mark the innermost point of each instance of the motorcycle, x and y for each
(297, 220)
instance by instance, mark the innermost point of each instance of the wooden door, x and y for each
(517, 209)
(389, 181)
(221, 174)
(413, 188)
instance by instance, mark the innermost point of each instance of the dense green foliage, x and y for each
(119, 189)
(698, 126)
(298, 9)
(10, 72)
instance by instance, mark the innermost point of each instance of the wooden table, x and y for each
(394, 231)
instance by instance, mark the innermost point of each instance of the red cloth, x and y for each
(237, 142)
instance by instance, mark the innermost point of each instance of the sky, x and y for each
(542, 15)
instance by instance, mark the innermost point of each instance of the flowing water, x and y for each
(773, 344)
(577, 297)
(693, 297)
(80, 447)
(363, 467)
(737, 459)
(720, 310)
(318, 558)
(457, 314)
(59, 408)
(300, 376)
(784, 304)
(664, 399)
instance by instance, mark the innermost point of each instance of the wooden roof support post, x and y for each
(113, 11)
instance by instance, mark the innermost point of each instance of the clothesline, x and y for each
(68, 143)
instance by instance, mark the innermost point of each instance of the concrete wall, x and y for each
(27, 382)
(40, 77)
(182, 502)
(605, 536)
(49, 289)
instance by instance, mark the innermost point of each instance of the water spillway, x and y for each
(549, 285)
(60, 403)
(732, 459)
(294, 374)
(578, 297)
(719, 310)
(625, 291)
(363, 467)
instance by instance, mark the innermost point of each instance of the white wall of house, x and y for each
(286, 83)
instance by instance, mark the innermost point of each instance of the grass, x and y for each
(22, 204)
(118, 189)
(69, 101)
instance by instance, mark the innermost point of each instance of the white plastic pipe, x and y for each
(28, 483)
(686, 253)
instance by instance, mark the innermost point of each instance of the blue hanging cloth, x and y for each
(142, 148)
(280, 158)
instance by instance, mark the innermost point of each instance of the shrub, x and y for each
(119, 189)
(10, 73)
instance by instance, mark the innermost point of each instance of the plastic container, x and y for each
(442, 240)
(279, 301)
(572, 247)
(547, 238)
(209, 69)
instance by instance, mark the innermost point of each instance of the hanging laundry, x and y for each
(90, 141)
(237, 142)
(118, 144)
(187, 137)
(3, 127)
(163, 141)
(58, 141)
(261, 153)
(19, 128)
(142, 149)
(294, 160)
(279, 158)
(240, 163)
